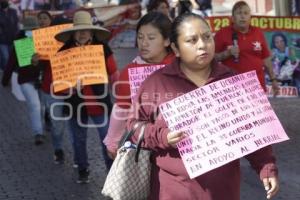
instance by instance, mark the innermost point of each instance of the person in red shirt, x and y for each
(243, 47)
(193, 44)
(153, 44)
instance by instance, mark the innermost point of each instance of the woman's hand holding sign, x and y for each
(174, 137)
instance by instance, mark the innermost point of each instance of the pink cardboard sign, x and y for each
(138, 75)
(223, 121)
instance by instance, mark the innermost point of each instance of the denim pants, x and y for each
(54, 106)
(78, 135)
(33, 102)
(4, 55)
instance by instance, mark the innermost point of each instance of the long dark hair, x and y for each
(159, 21)
(278, 34)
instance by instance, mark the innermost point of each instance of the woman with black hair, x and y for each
(154, 50)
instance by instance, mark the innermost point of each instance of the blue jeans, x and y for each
(79, 140)
(54, 107)
(33, 102)
(4, 55)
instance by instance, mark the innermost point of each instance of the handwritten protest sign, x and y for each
(45, 43)
(24, 51)
(138, 75)
(85, 63)
(224, 121)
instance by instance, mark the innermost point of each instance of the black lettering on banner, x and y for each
(245, 107)
(168, 114)
(199, 92)
(213, 86)
(222, 99)
(220, 118)
(266, 140)
(262, 121)
(207, 114)
(136, 84)
(149, 69)
(203, 154)
(230, 81)
(132, 71)
(168, 106)
(191, 113)
(221, 159)
(223, 136)
(224, 125)
(184, 143)
(196, 167)
(234, 111)
(267, 108)
(244, 149)
(208, 106)
(190, 149)
(189, 132)
(224, 107)
(200, 137)
(202, 100)
(202, 126)
(240, 129)
(241, 101)
(239, 139)
(187, 122)
(240, 118)
(213, 131)
(210, 142)
(184, 107)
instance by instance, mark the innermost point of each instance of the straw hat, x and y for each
(30, 23)
(82, 20)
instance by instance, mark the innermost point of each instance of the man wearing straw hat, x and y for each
(84, 33)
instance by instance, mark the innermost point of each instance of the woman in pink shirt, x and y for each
(154, 49)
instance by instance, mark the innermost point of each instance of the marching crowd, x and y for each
(192, 58)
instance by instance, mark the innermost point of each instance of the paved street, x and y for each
(27, 171)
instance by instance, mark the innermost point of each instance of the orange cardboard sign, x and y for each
(86, 64)
(45, 43)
